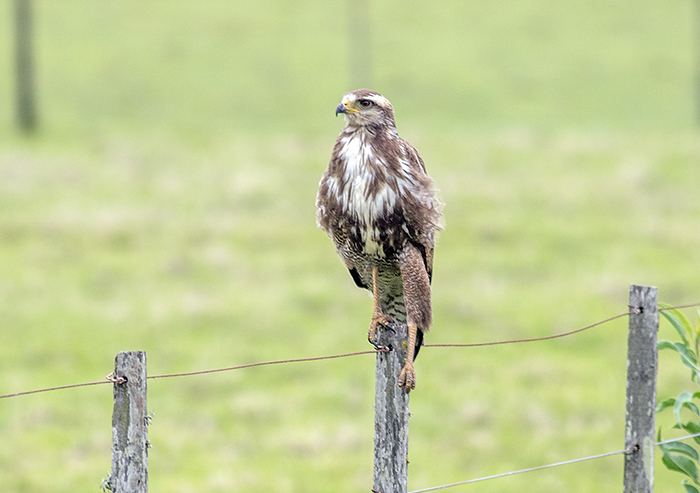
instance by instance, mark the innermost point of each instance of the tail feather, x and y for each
(419, 343)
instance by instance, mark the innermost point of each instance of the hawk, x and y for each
(380, 208)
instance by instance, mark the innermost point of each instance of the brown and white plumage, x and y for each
(380, 207)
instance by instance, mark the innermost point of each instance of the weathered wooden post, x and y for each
(24, 66)
(129, 425)
(642, 358)
(390, 414)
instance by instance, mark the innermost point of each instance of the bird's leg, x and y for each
(416, 295)
(407, 377)
(377, 316)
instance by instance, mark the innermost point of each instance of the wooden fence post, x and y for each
(129, 426)
(390, 414)
(24, 65)
(642, 358)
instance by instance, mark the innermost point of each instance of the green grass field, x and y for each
(167, 204)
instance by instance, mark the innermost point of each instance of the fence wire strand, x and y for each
(345, 355)
(110, 378)
(512, 473)
(62, 387)
(547, 466)
(265, 363)
(678, 307)
(533, 339)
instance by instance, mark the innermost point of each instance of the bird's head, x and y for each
(366, 108)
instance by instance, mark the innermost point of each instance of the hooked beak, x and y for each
(346, 107)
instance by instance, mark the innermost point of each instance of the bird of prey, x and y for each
(380, 208)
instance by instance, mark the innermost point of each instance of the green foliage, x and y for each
(678, 456)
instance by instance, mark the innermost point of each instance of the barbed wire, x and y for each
(547, 466)
(345, 355)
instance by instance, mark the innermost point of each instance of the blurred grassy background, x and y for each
(167, 204)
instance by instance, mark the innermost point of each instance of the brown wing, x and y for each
(423, 212)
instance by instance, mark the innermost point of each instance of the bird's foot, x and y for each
(407, 377)
(377, 319)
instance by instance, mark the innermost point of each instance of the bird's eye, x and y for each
(364, 103)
